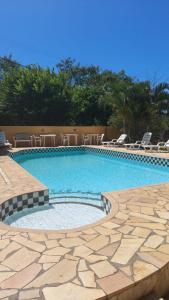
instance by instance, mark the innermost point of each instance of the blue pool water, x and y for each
(88, 172)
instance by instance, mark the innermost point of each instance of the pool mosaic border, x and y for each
(20, 202)
(112, 153)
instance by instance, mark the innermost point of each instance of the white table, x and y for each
(74, 135)
(92, 137)
(51, 137)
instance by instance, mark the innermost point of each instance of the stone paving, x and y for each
(124, 256)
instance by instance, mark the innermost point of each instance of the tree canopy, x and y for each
(72, 94)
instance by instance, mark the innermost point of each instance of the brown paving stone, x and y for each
(146, 249)
(98, 243)
(4, 268)
(95, 258)
(5, 275)
(22, 278)
(149, 218)
(82, 251)
(141, 232)
(12, 247)
(122, 216)
(4, 243)
(154, 241)
(82, 265)
(46, 266)
(73, 234)
(71, 242)
(7, 293)
(109, 250)
(49, 258)
(126, 270)
(29, 294)
(113, 283)
(147, 210)
(110, 225)
(103, 268)
(149, 225)
(89, 237)
(155, 258)
(142, 269)
(126, 250)
(57, 251)
(51, 244)
(115, 238)
(21, 259)
(87, 278)
(105, 231)
(62, 272)
(36, 237)
(71, 291)
(164, 248)
(55, 235)
(29, 244)
(72, 257)
(125, 229)
(76, 281)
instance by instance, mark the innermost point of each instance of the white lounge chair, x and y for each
(22, 138)
(157, 147)
(140, 144)
(3, 141)
(116, 142)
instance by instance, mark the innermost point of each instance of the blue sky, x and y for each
(115, 34)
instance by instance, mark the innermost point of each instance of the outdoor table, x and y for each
(51, 137)
(74, 135)
(92, 137)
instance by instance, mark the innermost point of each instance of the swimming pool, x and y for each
(78, 177)
(88, 172)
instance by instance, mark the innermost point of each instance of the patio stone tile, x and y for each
(21, 259)
(49, 259)
(72, 257)
(163, 214)
(82, 251)
(105, 231)
(154, 241)
(71, 291)
(36, 237)
(29, 294)
(126, 270)
(110, 225)
(55, 235)
(149, 225)
(57, 251)
(73, 234)
(125, 229)
(98, 243)
(72, 242)
(160, 232)
(4, 268)
(149, 218)
(114, 282)
(89, 231)
(82, 265)
(5, 275)
(115, 238)
(4, 243)
(109, 250)
(7, 293)
(29, 244)
(87, 278)
(142, 269)
(141, 232)
(95, 258)
(164, 248)
(9, 250)
(62, 272)
(103, 268)
(89, 237)
(76, 281)
(126, 250)
(155, 258)
(147, 210)
(122, 216)
(51, 244)
(146, 249)
(22, 278)
(46, 266)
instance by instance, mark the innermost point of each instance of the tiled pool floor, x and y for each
(122, 257)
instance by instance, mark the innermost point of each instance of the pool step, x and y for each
(83, 198)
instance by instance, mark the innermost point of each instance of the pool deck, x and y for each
(124, 256)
